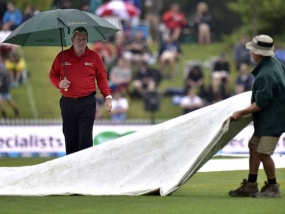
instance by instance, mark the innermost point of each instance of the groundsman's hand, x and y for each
(236, 115)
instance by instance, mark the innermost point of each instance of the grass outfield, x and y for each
(205, 192)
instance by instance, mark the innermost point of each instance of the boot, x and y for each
(246, 189)
(268, 191)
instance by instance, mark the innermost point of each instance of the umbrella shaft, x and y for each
(63, 62)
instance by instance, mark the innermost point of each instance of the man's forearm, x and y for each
(253, 108)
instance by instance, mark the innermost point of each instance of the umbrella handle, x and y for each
(66, 89)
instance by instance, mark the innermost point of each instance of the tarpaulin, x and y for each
(157, 160)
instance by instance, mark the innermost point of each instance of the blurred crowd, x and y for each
(134, 69)
(12, 63)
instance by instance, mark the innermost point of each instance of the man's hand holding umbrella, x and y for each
(64, 84)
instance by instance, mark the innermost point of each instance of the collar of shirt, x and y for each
(70, 51)
(259, 66)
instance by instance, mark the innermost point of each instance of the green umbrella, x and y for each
(55, 27)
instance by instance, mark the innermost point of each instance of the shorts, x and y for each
(265, 144)
(12, 66)
(5, 96)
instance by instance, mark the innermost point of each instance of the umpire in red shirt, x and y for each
(78, 103)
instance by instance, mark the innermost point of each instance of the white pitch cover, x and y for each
(157, 160)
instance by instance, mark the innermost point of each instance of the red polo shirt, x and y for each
(172, 23)
(81, 72)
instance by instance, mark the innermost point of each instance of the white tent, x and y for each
(157, 160)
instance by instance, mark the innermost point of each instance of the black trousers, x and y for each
(78, 117)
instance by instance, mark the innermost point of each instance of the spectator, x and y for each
(146, 79)
(202, 21)
(213, 93)
(61, 4)
(120, 107)
(5, 93)
(137, 49)
(105, 51)
(244, 80)
(29, 12)
(191, 102)
(6, 48)
(221, 75)
(241, 54)
(12, 16)
(120, 44)
(222, 65)
(3, 8)
(169, 53)
(152, 16)
(85, 6)
(174, 20)
(120, 75)
(15, 66)
(195, 80)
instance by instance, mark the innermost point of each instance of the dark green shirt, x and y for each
(269, 94)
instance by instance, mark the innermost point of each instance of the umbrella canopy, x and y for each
(124, 10)
(55, 27)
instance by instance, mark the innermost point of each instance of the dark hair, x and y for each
(81, 30)
(196, 68)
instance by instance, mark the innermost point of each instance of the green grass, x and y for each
(205, 192)
(46, 98)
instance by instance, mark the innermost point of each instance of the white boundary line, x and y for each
(215, 165)
(31, 99)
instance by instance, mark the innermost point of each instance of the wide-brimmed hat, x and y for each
(261, 45)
